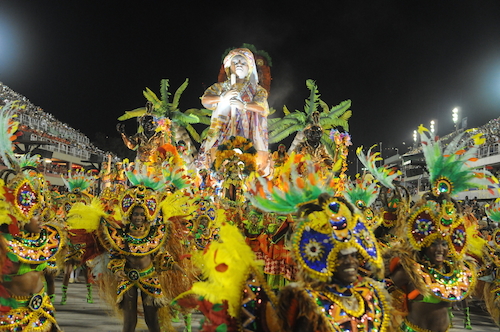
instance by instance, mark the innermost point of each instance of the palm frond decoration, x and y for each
(450, 169)
(382, 174)
(163, 108)
(329, 118)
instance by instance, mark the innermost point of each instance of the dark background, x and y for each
(402, 63)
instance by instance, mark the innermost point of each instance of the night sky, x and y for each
(401, 63)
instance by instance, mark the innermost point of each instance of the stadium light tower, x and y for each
(455, 117)
(433, 127)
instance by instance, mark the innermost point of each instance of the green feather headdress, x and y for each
(382, 174)
(79, 181)
(174, 176)
(143, 175)
(450, 169)
(361, 192)
(493, 210)
(294, 189)
(8, 129)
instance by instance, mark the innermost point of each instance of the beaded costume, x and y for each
(437, 217)
(23, 198)
(327, 227)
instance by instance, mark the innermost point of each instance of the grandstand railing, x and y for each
(489, 150)
(62, 147)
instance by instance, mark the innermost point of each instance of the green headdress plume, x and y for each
(142, 175)
(8, 129)
(361, 192)
(493, 210)
(382, 174)
(450, 169)
(294, 189)
(79, 181)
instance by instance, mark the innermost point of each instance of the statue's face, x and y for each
(149, 124)
(239, 66)
(314, 134)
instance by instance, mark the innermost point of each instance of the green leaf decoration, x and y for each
(218, 307)
(292, 122)
(11, 256)
(178, 93)
(190, 129)
(279, 136)
(133, 114)
(165, 94)
(221, 328)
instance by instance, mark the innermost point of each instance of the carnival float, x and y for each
(208, 218)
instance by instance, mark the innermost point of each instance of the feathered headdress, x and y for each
(25, 187)
(76, 183)
(329, 225)
(450, 169)
(142, 175)
(450, 172)
(395, 198)
(293, 191)
(493, 212)
(362, 193)
(382, 174)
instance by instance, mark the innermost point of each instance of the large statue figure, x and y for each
(313, 147)
(147, 140)
(239, 106)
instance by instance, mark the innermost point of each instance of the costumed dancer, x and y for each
(80, 246)
(279, 158)
(26, 245)
(492, 287)
(239, 107)
(279, 267)
(234, 295)
(137, 237)
(331, 243)
(394, 197)
(431, 268)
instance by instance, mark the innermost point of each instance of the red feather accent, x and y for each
(13, 227)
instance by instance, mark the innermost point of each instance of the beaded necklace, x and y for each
(126, 244)
(450, 286)
(36, 248)
(362, 304)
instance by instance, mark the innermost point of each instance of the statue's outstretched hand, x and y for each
(120, 127)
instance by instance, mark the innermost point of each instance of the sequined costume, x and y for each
(33, 314)
(34, 253)
(362, 307)
(121, 244)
